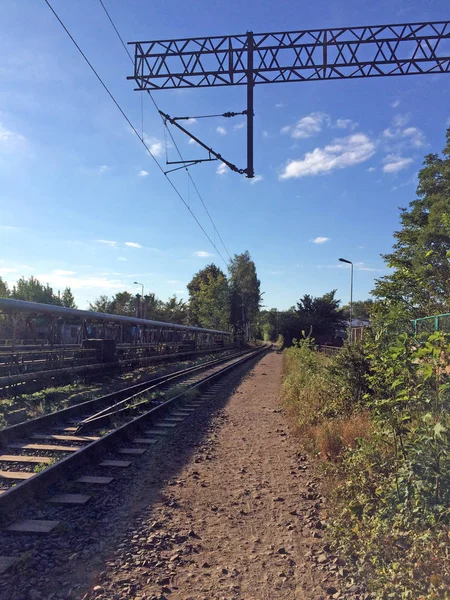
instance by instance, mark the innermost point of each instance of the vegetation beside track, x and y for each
(29, 406)
(378, 416)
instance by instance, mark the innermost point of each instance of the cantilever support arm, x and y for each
(210, 150)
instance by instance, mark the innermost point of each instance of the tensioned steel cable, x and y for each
(165, 125)
(141, 139)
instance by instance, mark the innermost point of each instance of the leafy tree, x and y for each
(102, 304)
(175, 311)
(361, 309)
(209, 299)
(245, 295)
(4, 290)
(320, 316)
(153, 307)
(32, 290)
(420, 256)
(67, 299)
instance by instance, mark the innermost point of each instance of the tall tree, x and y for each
(421, 254)
(209, 299)
(67, 298)
(360, 309)
(320, 316)
(245, 295)
(175, 310)
(4, 290)
(33, 290)
(101, 304)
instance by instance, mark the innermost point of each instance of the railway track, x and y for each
(60, 443)
(10, 384)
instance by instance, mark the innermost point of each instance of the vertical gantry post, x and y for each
(250, 83)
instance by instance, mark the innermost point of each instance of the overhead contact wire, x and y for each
(167, 128)
(105, 87)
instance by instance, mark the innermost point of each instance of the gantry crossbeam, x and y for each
(322, 54)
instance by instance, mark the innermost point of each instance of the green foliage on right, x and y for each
(421, 254)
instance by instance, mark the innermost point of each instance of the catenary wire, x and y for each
(170, 133)
(133, 128)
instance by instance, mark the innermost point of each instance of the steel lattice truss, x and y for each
(386, 50)
(250, 59)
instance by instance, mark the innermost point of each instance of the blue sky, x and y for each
(82, 204)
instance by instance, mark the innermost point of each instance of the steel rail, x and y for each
(9, 380)
(8, 434)
(38, 484)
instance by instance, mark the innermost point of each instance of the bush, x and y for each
(379, 415)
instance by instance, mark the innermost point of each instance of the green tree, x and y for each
(175, 310)
(320, 316)
(102, 304)
(154, 307)
(420, 256)
(67, 299)
(4, 290)
(209, 299)
(361, 309)
(245, 295)
(32, 290)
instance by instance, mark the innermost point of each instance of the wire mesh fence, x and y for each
(431, 324)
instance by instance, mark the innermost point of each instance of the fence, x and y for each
(432, 324)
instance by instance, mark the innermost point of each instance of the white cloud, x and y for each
(221, 130)
(314, 123)
(396, 103)
(359, 266)
(256, 179)
(239, 126)
(142, 173)
(415, 136)
(265, 134)
(307, 126)
(345, 124)
(111, 243)
(409, 136)
(6, 270)
(202, 253)
(191, 141)
(320, 240)
(222, 169)
(10, 140)
(133, 245)
(122, 258)
(342, 153)
(9, 228)
(63, 272)
(371, 169)
(101, 283)
(280, 105)
(103, 169)
(190, 121)
(400, 120)
(155, 146)
(394, 163)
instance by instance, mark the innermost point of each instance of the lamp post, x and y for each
(349, 262)
(139, 306)
(142, 286)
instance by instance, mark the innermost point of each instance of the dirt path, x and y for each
(239, 520)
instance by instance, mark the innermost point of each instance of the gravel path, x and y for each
(225, 508)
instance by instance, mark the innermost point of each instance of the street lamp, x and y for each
(349, 262)
(139, 305)
(142, 286)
